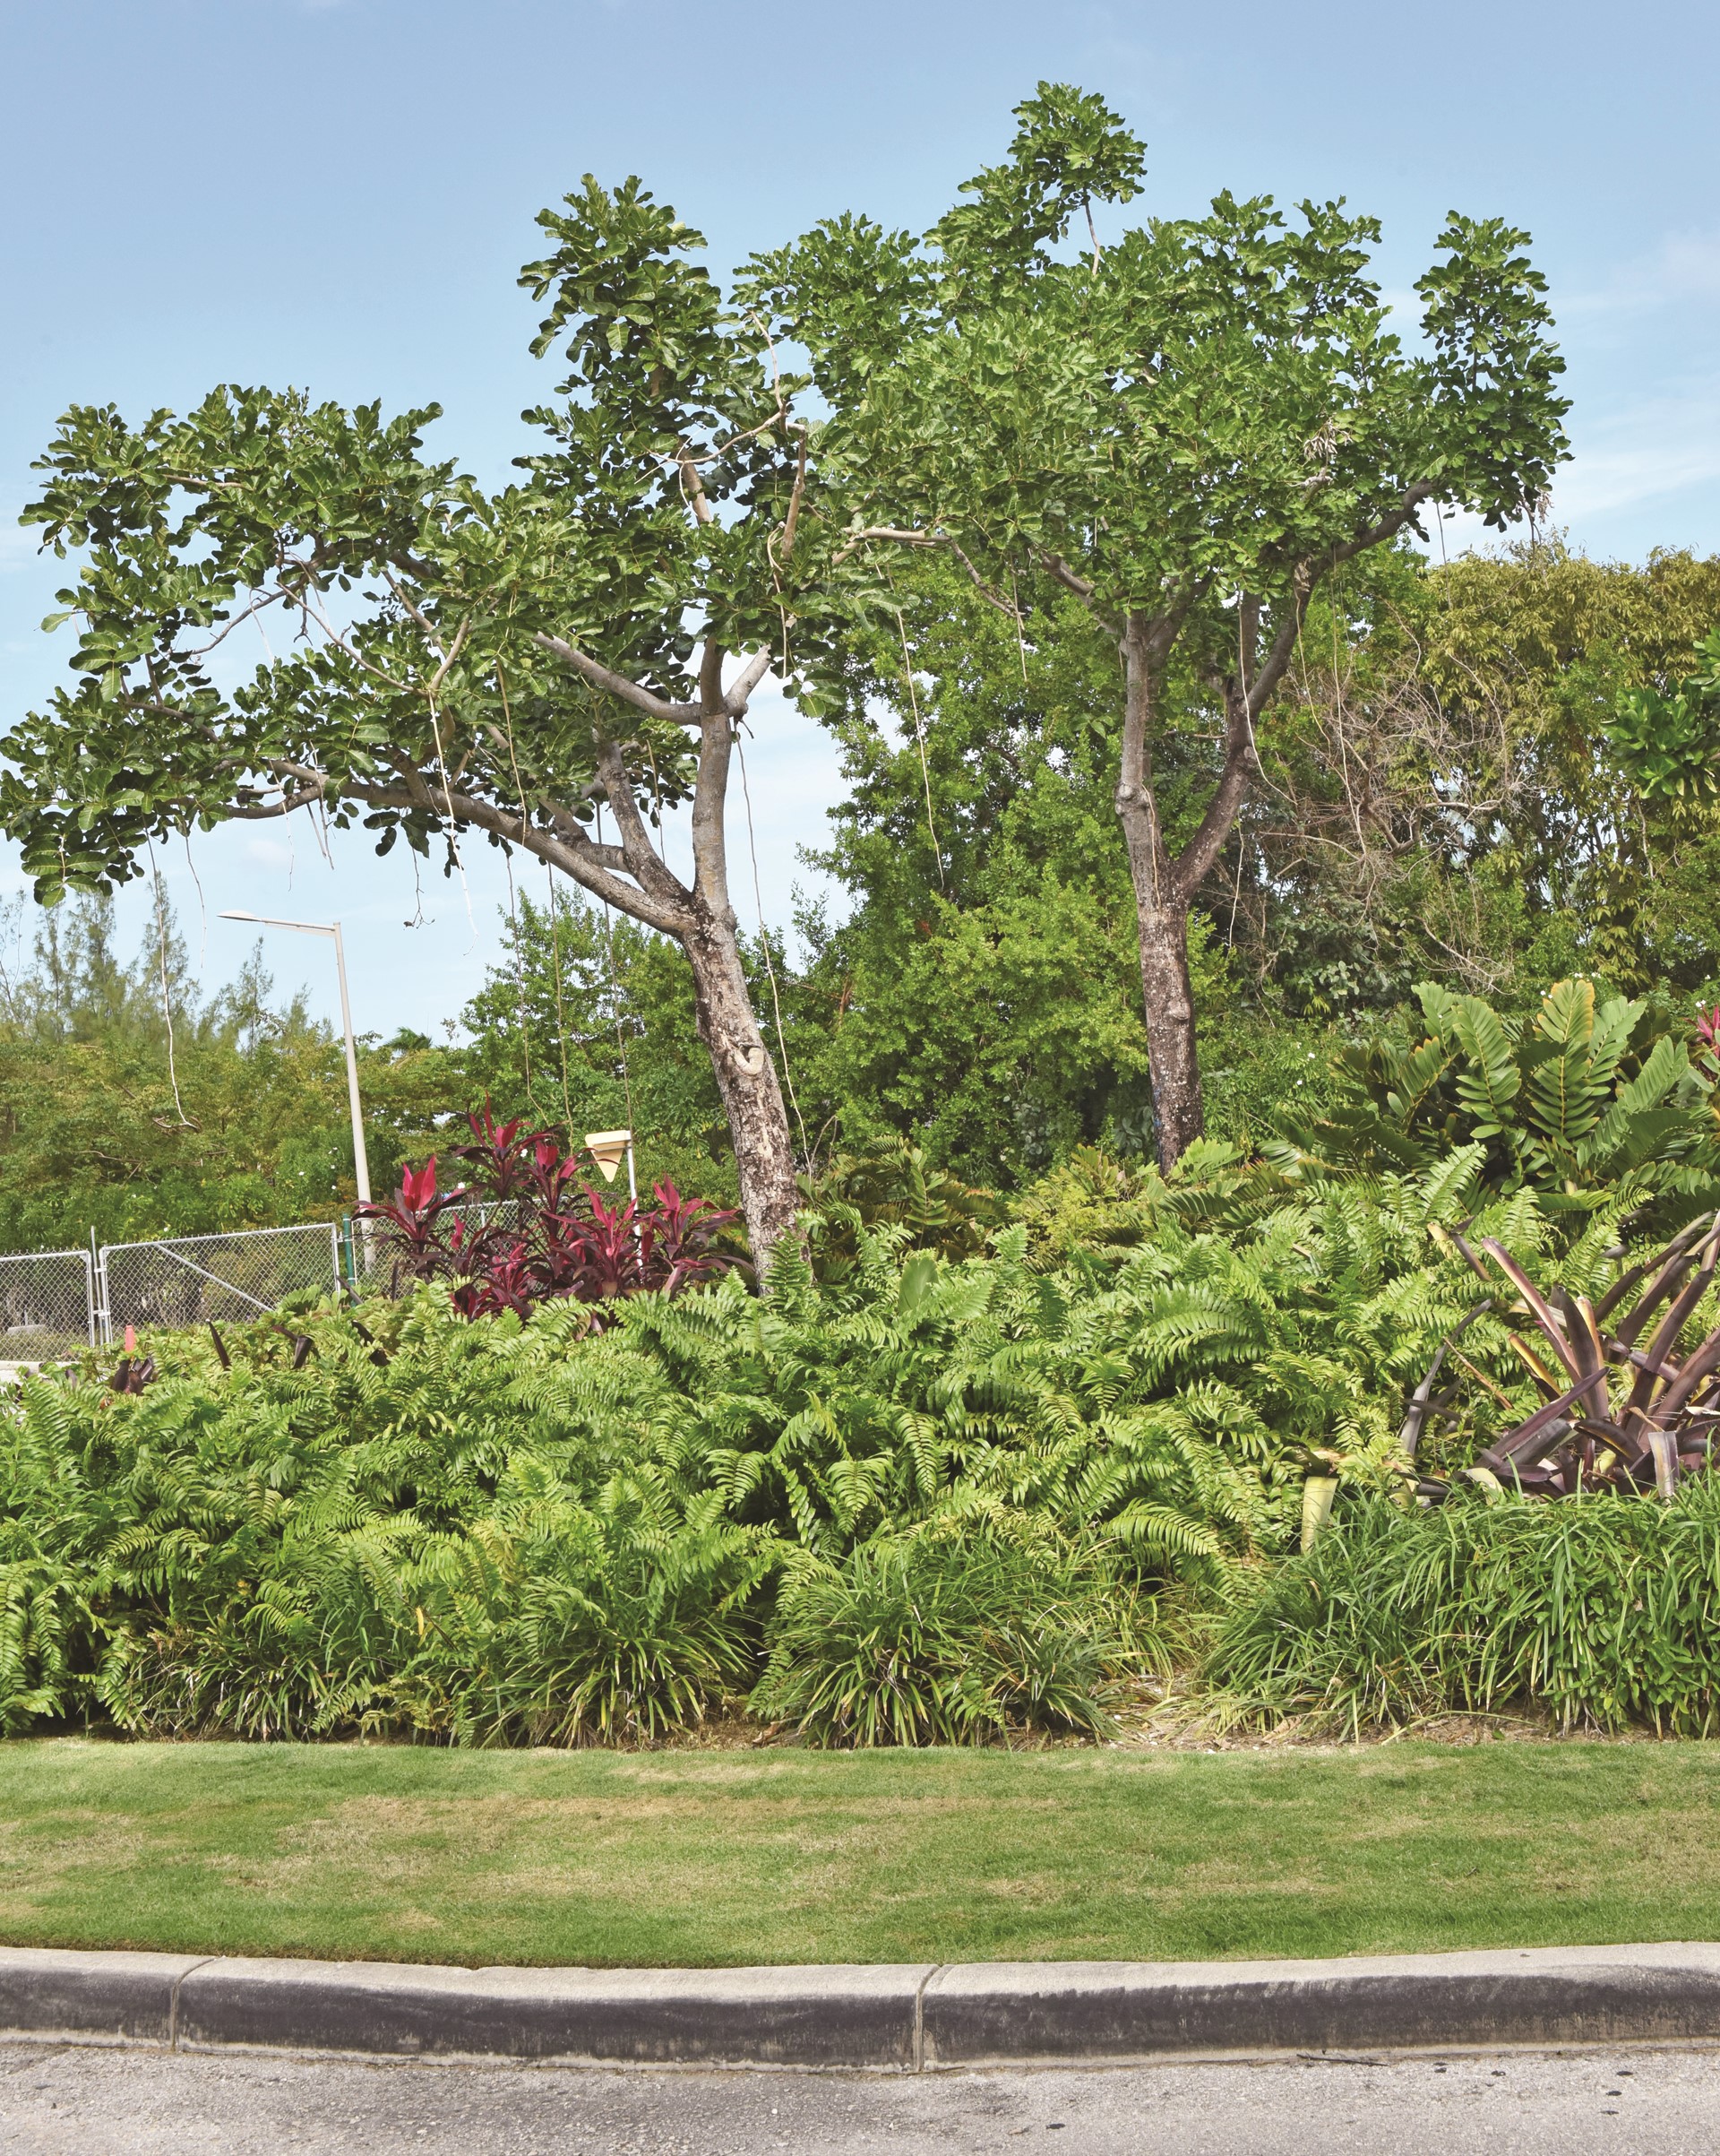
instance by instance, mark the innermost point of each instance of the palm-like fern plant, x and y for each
(1590, 1101)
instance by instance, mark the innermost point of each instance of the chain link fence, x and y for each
(196, 1277)
(370, 1263)
(47, 1305)
(54, 1302)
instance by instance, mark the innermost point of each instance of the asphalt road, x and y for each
(83, 2101)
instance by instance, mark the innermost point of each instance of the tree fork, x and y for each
(1164, 888)
(703, 922)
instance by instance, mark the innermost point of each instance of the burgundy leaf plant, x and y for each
(525, 1227)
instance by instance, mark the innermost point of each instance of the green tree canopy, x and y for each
(1186, 432)
(450, 660)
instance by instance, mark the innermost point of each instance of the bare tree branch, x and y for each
(735, 699)
(1239, 766)
(1060, 571)
(440, 674)
(264, 811)
(643, 863)
(792, 521)
(688, 466)
(710, 785)
(897, 537)
(1248, 698)
(424, 621)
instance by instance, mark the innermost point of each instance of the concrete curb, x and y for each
(988, 2012)
(908, 2018)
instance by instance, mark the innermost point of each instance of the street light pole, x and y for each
(360, 1158)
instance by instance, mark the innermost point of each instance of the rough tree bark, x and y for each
(746, 1078)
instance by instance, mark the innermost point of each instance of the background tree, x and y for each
(1449, 789)
(1186, 432)
(510, 663)
(242, 1125)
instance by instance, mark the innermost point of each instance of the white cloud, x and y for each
(1684, 269)
(1657, 446)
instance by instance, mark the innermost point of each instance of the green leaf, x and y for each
(1491, 1080)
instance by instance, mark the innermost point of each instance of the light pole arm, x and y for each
(360, 1158)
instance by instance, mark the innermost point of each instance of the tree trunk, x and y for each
(746, 1078)
(1170, 1028)
(701, 920)
(1161, 904)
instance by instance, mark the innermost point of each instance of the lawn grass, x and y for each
(743, 1855)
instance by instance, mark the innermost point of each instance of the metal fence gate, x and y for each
(47, 1305)
(195, 1278)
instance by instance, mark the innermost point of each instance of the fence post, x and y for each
(104, 1315)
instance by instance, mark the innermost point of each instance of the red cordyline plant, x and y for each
(525, 1227)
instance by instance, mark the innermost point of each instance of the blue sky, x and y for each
(338, 193)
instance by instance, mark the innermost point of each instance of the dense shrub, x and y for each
(1604, 1608)
(884, 1182)
(934, 1641)
(927, 1500)
(491, 1529)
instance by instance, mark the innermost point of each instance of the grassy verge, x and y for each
(735, 1857)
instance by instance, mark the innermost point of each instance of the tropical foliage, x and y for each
(525, 1226)
(1669, 743)
(1603, 1610)
(479, 1528)
(1591, 1099)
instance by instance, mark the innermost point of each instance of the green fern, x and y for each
(489, 1533)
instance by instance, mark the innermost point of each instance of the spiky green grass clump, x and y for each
(1605, 1610)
